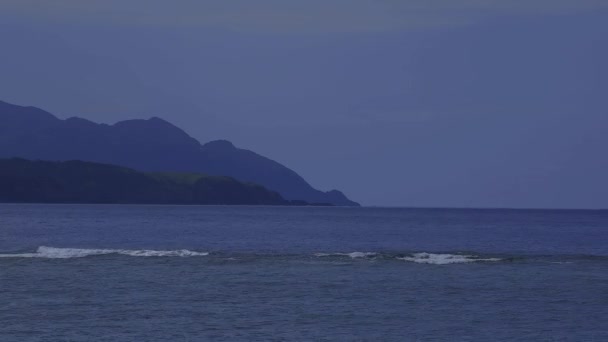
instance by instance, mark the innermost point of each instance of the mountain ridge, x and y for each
(25, 181)
(147, 145)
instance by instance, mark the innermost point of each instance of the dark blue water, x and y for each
(178, 273)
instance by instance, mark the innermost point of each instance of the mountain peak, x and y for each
(25, 113)
(156, 130)
(159, 120)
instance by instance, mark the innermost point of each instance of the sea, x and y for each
(255, 273)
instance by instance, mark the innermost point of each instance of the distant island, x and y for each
(152, 145)
(24, 181)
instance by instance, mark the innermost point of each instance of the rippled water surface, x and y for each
(180, 273)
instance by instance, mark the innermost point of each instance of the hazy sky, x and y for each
(407, 103)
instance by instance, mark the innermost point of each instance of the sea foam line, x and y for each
(444, 259)
(67, 253)
(353, 255)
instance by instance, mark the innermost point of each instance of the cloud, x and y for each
(289, 16)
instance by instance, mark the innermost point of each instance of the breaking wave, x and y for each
(437, 258)
(420, 258)
(445, 259)
(67, 253)
(353, 255)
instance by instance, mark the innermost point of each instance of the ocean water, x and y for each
(213, 273)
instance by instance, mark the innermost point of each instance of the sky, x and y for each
(444, 103)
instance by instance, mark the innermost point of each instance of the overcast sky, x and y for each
(457, 103)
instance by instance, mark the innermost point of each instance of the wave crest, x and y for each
(353, 255)
(68, 253)
(444, 259)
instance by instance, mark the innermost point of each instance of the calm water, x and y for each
(171, 273)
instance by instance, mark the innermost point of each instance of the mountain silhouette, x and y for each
(152, 145)
(24, 181)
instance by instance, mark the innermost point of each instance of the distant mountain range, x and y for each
(24, 181)
(152, 145)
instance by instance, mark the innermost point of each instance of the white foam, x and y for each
(444, 259)
(67, 253)
(353, 255)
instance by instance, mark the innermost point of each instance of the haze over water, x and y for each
(446, 103)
